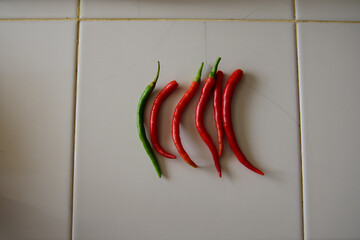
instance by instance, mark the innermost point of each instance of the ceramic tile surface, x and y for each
(117, 191)
(343, 10)
(38, 9)
(329, 62)
(117, 194)
(36, 120)
(256, 9)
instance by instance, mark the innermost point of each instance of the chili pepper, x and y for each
(199, 115)
(163, 94)
(140, 121)
(217, 110)
(177, 116)
(233, 80)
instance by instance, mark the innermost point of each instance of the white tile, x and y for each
(36, 122)
(256, 9)
(38, 9)
(329, 63)
(341, 10)
(117, 191)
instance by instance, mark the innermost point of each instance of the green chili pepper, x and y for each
(140, 121)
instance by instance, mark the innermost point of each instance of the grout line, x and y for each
(300, 132)
(175, 19)
(300, 129)
(326, 21)
(187, 19)
(79, 10)
(37, 19)
(75, 117)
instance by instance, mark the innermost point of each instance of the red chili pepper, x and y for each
(160, 98)
(233, 80)
(199, 115)
(217, 110)
(177, 116)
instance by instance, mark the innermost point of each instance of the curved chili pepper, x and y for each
(233, 80)
(217, 110)
(177, 116)
(140, 121)
(199, 115)
(163, 94)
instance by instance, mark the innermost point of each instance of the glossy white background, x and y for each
(111, 159)
(330, 113)
(23, 9)
(36, 125)
(345, 10)
(295, 115)
(226, 9)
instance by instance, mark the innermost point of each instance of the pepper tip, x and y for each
(198, 75)
(153, 83)
(212, 73)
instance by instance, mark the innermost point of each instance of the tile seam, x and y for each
(300, 126)
(326, 21)
(36, 19)
(75, 118)
(188, 19)
(174, 19)
(300, 133)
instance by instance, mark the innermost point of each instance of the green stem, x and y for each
(212, 74)
(198, 75)
(152, 84)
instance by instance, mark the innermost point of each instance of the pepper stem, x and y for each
(152, 84)
(212, 74)
(198, 75)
